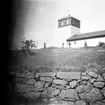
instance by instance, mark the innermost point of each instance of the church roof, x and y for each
(90, 35)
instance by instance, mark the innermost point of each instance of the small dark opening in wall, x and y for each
(74, 42)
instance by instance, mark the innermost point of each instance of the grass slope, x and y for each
(61, 58)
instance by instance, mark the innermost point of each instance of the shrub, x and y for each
(27, 46)
(101, 44)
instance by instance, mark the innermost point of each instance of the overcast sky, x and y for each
(37, 19)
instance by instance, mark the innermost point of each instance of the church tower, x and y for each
(68, 26)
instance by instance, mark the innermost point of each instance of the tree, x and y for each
(27, 45)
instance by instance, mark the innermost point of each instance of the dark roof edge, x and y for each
(91, 37)
(68, 18)
(90, 32)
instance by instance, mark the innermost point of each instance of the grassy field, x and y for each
(60, 59)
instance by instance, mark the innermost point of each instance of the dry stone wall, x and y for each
(62, 88)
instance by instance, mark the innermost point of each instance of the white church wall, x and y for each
(90, 42)
(65, 32)
(77, 44)
(94, 42)
(74, 30)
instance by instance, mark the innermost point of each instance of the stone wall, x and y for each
(62, 88)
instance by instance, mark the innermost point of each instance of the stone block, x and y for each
(84, 88)
(48, 74)
(32, 95)
(55, 92)
(80, 103)
(29, 75)
(46, 79)
(99, 78)
(103, 75)
(97, 103)
(83, 82)
(38, 86)
(21, 80)
(45, 100)
(92, 80)
(69, 75)
(62, 102)
(48, 92)
(70, 103)
(37, 75)
(46, 85)
(53, 99)
(58, 81)
(98, 84)
(85, 77)
(67, 87)
(103, 91)
(31, 82)
(88, 87)
(84, 73)
(92, 74)
(60, 86)
(92, 96)
(71, 93)
(73, 84)
(20, 75)
(80, 88)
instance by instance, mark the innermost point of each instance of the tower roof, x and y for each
(67, 17)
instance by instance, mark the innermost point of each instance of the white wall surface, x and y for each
(90, 42)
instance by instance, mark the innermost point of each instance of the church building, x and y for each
(69, 28)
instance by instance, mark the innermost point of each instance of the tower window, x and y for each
(67, 21)
(62, 23)
(77, 24)
(73, 22)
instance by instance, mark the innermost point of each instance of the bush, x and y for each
(32, 53)
(28, 52)
(101, 44)
(27, 46)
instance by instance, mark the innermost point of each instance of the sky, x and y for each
(38, 19)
